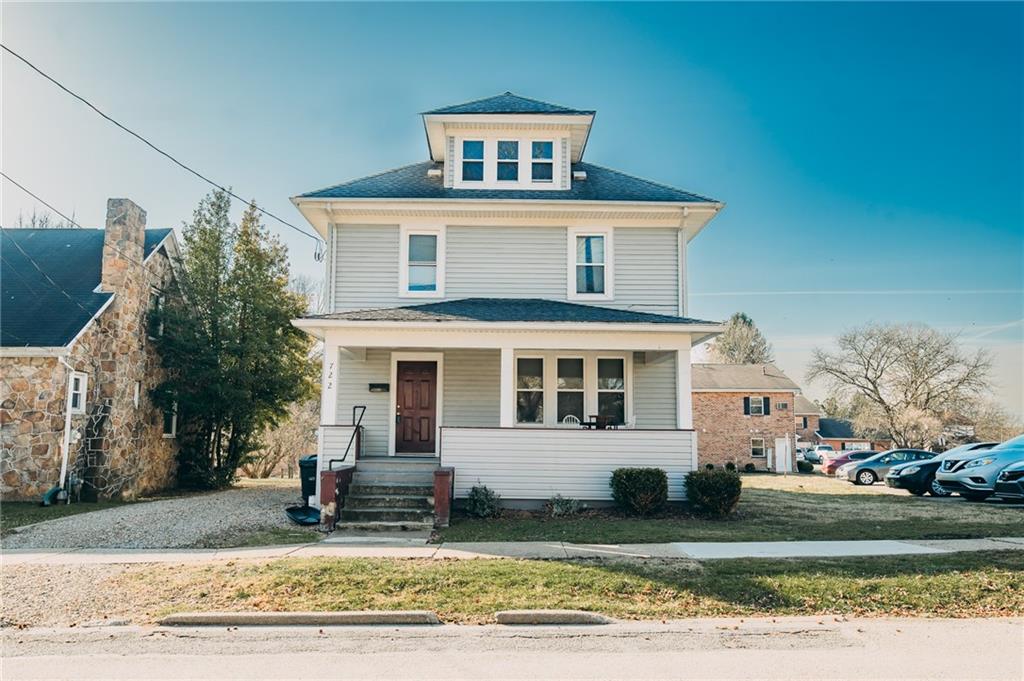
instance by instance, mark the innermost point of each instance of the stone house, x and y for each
(77, 361)
(743, 413)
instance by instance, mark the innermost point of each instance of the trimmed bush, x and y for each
(715, 493)
(709, 466)
(805, 466)
(730, 466)
(559, 506)
(483, 502)
(750, 468)
(639, 491)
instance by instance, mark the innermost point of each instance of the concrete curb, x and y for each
(550, 617)
(277, 619)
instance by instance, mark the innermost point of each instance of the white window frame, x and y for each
(81, 392)
(763, 448)
(137, 392)
(760, 405)
(482, 161)
(551, 391)
(545, 380)
(403, 265)
(525, 138)
(174, 423)
(554, 145)
(558, 391)
(625, 387)
(498, 161)
(609, 262)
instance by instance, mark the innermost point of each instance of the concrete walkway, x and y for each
(392, 547)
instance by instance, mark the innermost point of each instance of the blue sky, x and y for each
(871, 156)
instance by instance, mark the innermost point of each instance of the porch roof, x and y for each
(506, 310)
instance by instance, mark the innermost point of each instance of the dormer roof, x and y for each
(508, 103)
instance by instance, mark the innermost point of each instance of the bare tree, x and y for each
(741, 343)
(294, 437)
(310, 289)
(44, 220)
(911, 375)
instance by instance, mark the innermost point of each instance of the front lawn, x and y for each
(772, 508)
(987, 584)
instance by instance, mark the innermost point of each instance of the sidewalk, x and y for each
(397, 547)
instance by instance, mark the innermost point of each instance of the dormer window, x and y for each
(472, 161)
(508, 160)
(543, 156)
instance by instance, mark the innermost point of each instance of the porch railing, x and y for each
(537, 463)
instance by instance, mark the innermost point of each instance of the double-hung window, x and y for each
(472, 161)
(611, 389)
(590, 264)
(508, 161)
(422, 262)
(530, 390)
(79, 384)
(543, 161)
(756, 405)
(757, 449)
(570, 390)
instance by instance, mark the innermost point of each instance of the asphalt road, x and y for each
(785, 648)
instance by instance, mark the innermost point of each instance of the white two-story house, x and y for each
(508, 310)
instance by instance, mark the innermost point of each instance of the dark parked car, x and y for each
(918, 477)
(832, 463)
(1010, 483)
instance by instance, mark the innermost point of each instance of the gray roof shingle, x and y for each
(802, 406)
(37, 313)
(411, 182)
(508, 310)
(740, 377)
(507, 103)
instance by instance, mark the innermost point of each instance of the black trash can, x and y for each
(307, 473)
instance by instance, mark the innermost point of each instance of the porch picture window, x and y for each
(79, 384)
(570, 388)
(530, 390)
(508, 160)
(611, 389)
(422, 262)
(757, 447)
(542, 155)
(472, 161)
(590, 263)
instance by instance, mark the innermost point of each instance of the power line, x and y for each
(155, 148)
(24, 189)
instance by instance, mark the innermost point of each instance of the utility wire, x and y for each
(155, 148)
(24, 189)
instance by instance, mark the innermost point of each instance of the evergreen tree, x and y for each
(236, 361)
(741, 343)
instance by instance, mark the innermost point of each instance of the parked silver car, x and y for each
(973, 477)
(871, 470)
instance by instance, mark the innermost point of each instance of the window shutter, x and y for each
(767, 406)
(449, 163)
(746, 406)
(566, 173)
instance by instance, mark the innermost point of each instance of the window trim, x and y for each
(609, 262)
(82, 392)
(482, 160)
(550, 162)
(558, 391)
(625, 387)
(764, 448)
(498, 161)
(403, 261)
(544, 380)
(590, 394)
(760, 405)
(174, 423)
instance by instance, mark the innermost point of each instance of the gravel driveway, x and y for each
(205, 520)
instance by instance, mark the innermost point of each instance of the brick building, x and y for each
(77, 363)
(807, 416)
(744, 414)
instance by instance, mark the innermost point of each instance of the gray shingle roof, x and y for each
(411, 182)
(740, 377)
(507, 103)
(803, 406)
(508, 310)
(37, 313)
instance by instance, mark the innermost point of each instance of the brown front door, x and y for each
(416, 407)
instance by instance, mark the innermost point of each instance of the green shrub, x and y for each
(639, 491)
(715, 493)
(559, 506)
(750, 468)
(730, 466)
(709, 466)
(483, 502)
(805, 466)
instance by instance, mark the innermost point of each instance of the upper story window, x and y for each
(590, 275)
(472, 161)
(543, 162)
(508, 160)
(79, 383)
(757, 405)
(422, 262)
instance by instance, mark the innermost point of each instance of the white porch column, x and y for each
(684, 390)
(508, 405)
(328, 401)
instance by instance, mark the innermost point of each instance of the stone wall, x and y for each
(120, 450)
(724, 432)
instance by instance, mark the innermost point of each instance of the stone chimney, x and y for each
(124, 242)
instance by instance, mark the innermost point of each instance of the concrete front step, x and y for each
(387, 514)
(386, 489)
(425, 478)
(388, 464)
(359, 501)
(384, 526)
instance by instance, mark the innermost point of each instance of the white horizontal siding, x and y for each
(472, 387)
(506, 262)
(654, 392)
(524, 463)
(354, 377)
(646, 270)
(335, 440)
(365, 274)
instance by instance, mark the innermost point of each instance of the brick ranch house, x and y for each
(76, 360)
(743, 413)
